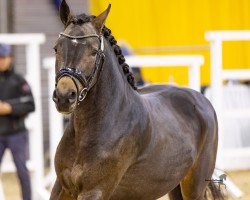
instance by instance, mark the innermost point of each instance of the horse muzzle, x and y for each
(65, 98)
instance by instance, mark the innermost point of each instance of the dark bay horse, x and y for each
(124, 143)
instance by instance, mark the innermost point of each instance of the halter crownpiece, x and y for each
(77, 76)
(84, 36)
(78, 37)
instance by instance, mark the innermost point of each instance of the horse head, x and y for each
(79, 57)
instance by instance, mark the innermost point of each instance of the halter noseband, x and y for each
(77, 76)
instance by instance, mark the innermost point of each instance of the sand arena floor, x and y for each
(240, 178)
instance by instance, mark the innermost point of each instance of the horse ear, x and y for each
(64, 12)
(99, 21)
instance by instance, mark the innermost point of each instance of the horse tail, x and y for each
(213, 192)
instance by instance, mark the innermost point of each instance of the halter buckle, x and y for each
(82, 94)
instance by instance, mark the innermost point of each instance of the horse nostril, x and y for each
(64, 98)
(72, 96)
(54, 97)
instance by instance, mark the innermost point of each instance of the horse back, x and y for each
(183, 100)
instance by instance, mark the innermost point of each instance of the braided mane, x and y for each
(83, 18)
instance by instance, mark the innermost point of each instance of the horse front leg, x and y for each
(99, 179)
(56, 190)
(57, 193)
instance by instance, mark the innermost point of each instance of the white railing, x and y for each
(227, 157)
(32, 44)
(55, 119)
(193, 62)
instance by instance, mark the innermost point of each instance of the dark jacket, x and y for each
(16, 91)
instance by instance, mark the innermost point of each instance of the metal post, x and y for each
(55, 123)
(33, 77)
(216, 90)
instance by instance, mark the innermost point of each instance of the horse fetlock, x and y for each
(91, 195)
(76, 174)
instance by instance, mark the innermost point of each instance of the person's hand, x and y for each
(5, 108)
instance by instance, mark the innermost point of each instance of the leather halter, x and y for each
(77, 76)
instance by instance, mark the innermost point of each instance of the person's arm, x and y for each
(24, 104)
(5, 108)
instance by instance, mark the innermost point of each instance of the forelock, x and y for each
(81, 19)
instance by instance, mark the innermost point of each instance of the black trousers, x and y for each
(17, 143)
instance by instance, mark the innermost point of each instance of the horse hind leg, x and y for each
(175, 194)
(194, 184)
(214, 192)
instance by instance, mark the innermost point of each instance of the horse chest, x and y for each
(71, 177)
(68, 173)
(81, 171)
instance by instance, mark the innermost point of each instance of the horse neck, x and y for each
(111, 93)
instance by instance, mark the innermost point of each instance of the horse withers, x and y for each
(124, 143)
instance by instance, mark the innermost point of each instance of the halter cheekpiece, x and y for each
(77, 76)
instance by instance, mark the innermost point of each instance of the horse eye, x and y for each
(94, 52)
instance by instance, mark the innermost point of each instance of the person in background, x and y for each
(16, 101)
(57, 3)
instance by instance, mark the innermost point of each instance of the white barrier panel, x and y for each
(218, 74)
(32, 44)
(55, 120)
(193, 62)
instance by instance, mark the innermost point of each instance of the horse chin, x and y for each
(66, 110)
(65, 113)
